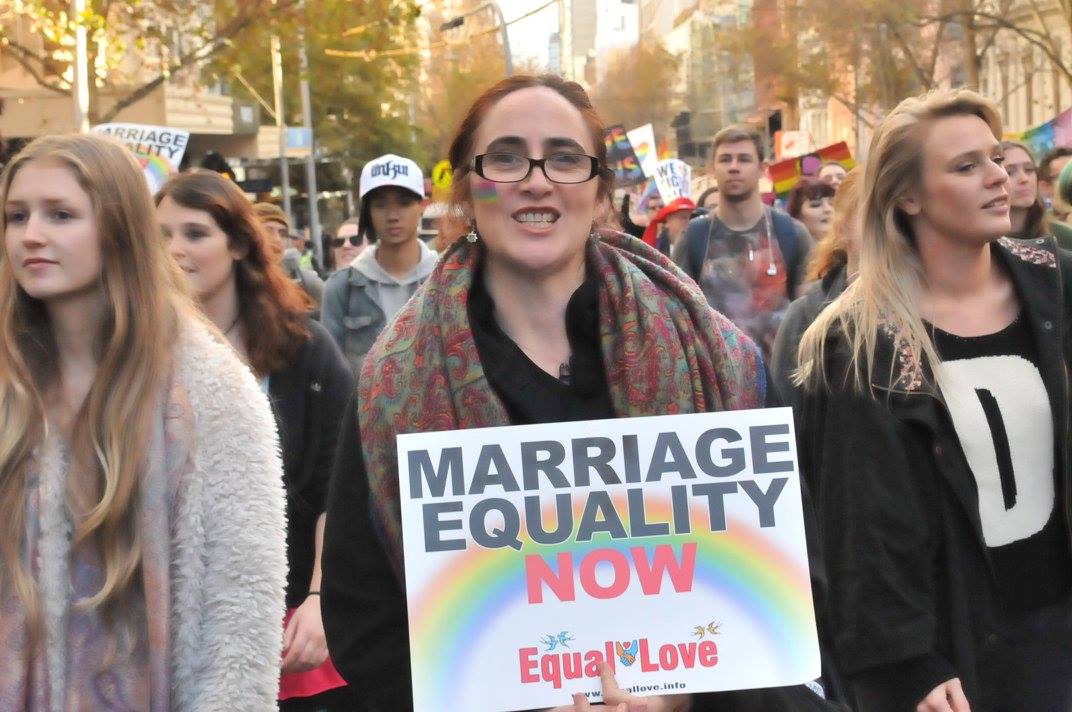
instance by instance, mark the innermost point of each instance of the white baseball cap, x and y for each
(392, 170)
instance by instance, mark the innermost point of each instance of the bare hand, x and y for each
(947, 697)
(616, 699)
(304, 645)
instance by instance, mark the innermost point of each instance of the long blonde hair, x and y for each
(142, 293)
(885, 295)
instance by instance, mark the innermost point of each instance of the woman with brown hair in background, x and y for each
(216, 238)
(1026, 211)
(142, 533)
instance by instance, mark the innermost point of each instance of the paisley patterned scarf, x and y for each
(665, 352)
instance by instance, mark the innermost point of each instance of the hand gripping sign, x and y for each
(670, 547)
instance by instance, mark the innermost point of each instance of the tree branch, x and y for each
(25, 59)
(925, 80)
(198, 56)
(1034, 37)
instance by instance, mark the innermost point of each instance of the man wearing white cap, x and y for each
(360, 300)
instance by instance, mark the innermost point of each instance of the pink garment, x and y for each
(70, 671)
(312, 682)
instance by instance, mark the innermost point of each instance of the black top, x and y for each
(1003, 421)
(913, 598)
(364, 606)
(307, 399)
(530, 394)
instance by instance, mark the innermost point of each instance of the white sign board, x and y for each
(158, 149)
(673, 177)
(647, 152)
(670, 547)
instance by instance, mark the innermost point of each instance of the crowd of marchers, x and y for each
(198, 463)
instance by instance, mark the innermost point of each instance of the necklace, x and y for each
(232, 326)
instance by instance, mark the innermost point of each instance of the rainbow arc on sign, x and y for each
(478, 587)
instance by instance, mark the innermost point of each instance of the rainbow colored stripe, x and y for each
(478, 586)
(484, 191)
(156, 170)
(785, 174)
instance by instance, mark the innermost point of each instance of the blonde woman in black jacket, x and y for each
(935, 431)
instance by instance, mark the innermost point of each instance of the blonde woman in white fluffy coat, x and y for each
(142, 537)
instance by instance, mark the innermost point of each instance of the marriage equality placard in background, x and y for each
(671, 547)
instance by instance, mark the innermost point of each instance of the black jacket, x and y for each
(308, 399)
(798, 317)
(912, 596)
(364, 606)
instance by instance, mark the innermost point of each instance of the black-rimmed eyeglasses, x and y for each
(513, 168)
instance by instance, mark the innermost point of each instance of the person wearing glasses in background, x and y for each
(347, 244)
(361, 299)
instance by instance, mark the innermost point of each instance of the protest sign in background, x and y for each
(671, 547)
(620, 156)
(158, 149)
(642, 139)
(785, 174)
(1057, 132)
(674, 179)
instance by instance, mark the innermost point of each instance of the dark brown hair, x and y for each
(461, 147)
(273, 308)
(1035, 225)
(1047, 161)
(735, 133)
(807, 188)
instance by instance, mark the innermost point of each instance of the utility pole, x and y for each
(310, 159)
(281, 124)
(81, 68)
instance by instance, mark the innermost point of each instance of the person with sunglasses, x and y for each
(362, 298)
(540, 314)
(347, 244)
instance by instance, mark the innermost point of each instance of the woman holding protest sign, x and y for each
(936, 426)
(216, 238)
(537, 316)
(142, 536)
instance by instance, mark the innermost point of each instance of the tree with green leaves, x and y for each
(638, 87)
(133, 47)
(361, 85)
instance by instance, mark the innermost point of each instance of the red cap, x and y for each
(674, 206)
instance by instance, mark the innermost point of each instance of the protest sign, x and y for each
(785, 174)
(670, 547)
(620, 156)
(674, 179)
(642, 139)
(1057, 132)
(158, 149)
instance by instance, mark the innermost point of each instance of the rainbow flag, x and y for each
(785, 174)
(1057, 132)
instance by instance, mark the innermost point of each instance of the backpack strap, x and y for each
(698, 240)
(789, 243)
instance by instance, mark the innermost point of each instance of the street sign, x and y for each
(300, 138)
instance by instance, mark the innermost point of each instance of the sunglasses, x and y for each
(338, 242)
